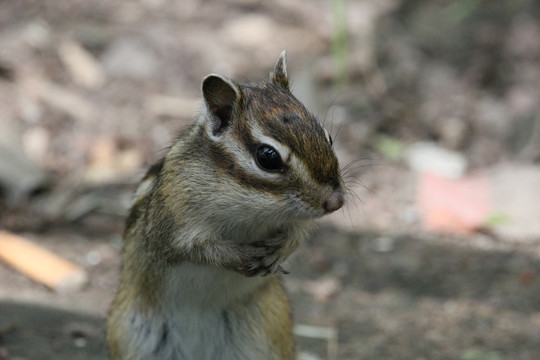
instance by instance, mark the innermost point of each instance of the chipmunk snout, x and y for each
(334, 201)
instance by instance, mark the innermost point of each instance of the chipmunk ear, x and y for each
(279, 75)
(221, 95)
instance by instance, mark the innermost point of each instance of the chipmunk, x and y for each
(213, 220)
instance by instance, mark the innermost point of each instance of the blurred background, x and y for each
(435, 113)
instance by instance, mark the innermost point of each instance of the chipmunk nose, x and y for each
(334, 201)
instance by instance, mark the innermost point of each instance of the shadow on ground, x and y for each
(417, 298)
(423, 298)
(44, 333)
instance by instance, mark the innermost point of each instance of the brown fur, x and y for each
(183, 213)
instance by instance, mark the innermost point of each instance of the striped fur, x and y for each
(207, 218)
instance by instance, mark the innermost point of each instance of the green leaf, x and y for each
(389, 146)
(497, 219)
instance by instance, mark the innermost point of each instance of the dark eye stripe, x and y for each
(227, 163)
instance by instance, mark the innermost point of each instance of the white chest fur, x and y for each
(204, 287)
(194, 320)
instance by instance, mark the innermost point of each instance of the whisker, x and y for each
(359, 183)
(350, 216)
(355, 164)
(338, 130)
(354, 195)
(332, 103)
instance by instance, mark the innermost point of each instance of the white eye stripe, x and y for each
(327, 134)
(283, 150)
(246, 159)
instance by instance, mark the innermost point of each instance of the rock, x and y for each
(515, 194)
(307, 356)
(35, 142)
(19, 176)
(429, 157)
(383, 244)
(324, 289)
(93, 258)
(37, 34)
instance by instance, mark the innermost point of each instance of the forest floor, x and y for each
(372, 282)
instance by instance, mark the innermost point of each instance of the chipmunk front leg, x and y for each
(249, 259)
(279, 246)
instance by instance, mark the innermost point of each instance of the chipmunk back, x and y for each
(213, 221)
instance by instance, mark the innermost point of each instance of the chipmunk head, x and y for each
(264, 139)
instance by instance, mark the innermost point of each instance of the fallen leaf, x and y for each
(40, 264)
(458, 206)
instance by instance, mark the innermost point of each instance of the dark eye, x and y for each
(268, 158)
(331, 140)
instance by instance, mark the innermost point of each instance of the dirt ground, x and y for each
(427, 298)
(371, 283)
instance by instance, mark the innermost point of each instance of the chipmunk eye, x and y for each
(269, 159)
